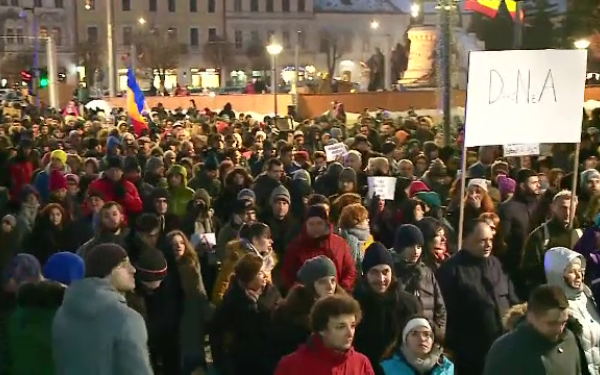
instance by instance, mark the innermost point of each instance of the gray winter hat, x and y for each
(280, 192)
(315, 269)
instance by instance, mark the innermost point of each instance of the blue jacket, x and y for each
(397, 366)
(95, 332)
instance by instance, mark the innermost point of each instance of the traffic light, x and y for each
(26, 75)
(43, 78)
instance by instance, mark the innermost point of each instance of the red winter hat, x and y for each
(57, 180)
(416, 187)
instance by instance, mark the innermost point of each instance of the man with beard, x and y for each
(553, 233)
(111, 229)
(515, 215)
(589, 188)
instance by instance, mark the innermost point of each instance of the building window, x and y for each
(366, 44)
(301, 6)
(237, 5)
(153, 5)
(59, 4)
(3, 2)
(37, 3)
(211, 6)
(172, 33)
(270, 35)
(212, 34)
(92, 34)
(14, 3)
(193, 6)
(194, 37)
(127, 35)
(171, 6)
(286, 40)
(126, 5)
(57, 35)
(43, 32)
(10, 36)
(269, 7)
(239, 39)
(255, 36)
(254, 5)
(301, 39)
(285, 6)
(20, 36)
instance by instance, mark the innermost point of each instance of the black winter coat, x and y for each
(383, 317)
(238, 338)
(477, 294)
(419, 280)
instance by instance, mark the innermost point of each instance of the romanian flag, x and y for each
(490, 7)
(136, 103)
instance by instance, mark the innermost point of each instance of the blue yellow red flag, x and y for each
(490, 7)
(136, 103)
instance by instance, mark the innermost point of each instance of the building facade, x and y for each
(22, 20)
(189, 23)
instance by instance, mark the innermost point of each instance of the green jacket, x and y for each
(29, 330)
(179, 196)
(525, 352)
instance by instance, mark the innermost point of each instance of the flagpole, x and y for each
(518, 32)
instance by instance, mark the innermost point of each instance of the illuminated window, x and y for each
(10, 36)
(57, 35)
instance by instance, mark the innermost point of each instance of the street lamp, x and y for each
(415, 10)
(274, 49)
(142, 21)
(387, 65)
(582, 44)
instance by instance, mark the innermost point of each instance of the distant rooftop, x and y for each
(388, 6)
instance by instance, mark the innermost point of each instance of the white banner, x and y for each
(525, 97)
(335, 150)
(384, 187)
(522, 149)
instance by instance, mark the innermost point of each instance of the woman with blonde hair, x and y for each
(182, 297)
(354, 228)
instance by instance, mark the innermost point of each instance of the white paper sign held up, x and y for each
(383, 187)
(525, 97)
(335, 150)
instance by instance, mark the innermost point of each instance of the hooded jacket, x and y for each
(179, 196)
(314, 358)
(130, 200)
(331, 245)
(95, 332)
(582, 306)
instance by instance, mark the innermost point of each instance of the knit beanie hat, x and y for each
(317, 211)
(72, 178)
(348, 174)
(59, 155)
(414, 323)
(247, 194)
(280, 193)
(64, 267)
(506, 185)
(57, 180)
(102, 259)
(151, 266)
(114, 162)
(302, 174)
(22, 268)
(589, 174)
(415, 187)
(375, 255)
(211, 163)
(315, 269)
(437, 169)
(430, 198)
(131, 164)
(153, 163)
(406, 236)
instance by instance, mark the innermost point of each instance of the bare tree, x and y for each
(333, 46)
(219, 52)
(259, 59)
(90, 57)
(159, 53)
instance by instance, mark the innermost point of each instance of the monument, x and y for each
(421, 58)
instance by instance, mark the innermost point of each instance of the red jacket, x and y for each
(332, 246)
(315, 359)
(21, 174)
(131, 202)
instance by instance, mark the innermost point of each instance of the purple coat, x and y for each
(588, 246)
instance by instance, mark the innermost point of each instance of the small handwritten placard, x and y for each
(384, 187)
(335, 150)
(522, 149)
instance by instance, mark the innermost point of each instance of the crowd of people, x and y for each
(218, 243)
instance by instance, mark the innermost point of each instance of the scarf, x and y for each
(360, 232)
(29, 213)
(421, 365)
(268, 260)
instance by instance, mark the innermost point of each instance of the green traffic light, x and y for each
(44, 82)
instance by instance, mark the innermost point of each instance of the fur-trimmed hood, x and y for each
(516, 315)
(44, 294)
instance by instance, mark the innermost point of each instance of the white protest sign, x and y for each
(335, 150)
(208, 238)
(522, 149)
(525, 97)
(384, 187)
